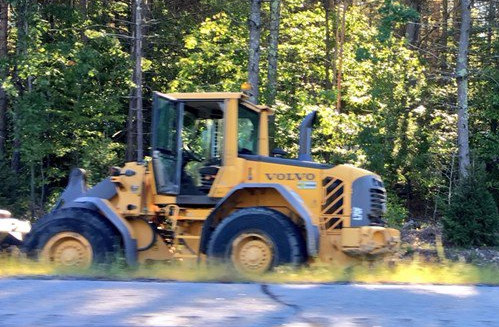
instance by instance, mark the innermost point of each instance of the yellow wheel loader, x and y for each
(210, 191)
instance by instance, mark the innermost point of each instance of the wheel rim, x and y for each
(68, 250)
(252, 253)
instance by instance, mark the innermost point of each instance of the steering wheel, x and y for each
(190, 155)
(168, 152)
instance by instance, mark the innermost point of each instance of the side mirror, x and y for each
(279, 153)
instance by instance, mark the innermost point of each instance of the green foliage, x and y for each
(68, 81)
(393, 15)
(216, 59)
(472, 218)
(13, 193)
(71, 99)
(484, 104)
(396, 212)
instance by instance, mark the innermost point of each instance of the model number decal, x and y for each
(357, 213)
(305, 185)
(290, 176)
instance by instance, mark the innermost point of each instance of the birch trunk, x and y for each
(462, 89)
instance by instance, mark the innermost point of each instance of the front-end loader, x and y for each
(12, 231)
(210, 191)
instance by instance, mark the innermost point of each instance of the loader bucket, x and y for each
(12, 231)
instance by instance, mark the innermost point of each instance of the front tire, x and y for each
(255, 240)
(73, 237)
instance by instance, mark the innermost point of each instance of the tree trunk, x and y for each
(328, 5)
(444, 35)
(254, 49)
(340, 58)
(336, 26)
(462, 89)
(84, 13)
(130, 127)
(275, 16)
(4, 17)
(494, 123)
(32, 181)
(490, 24)
(273, 51)
(130, 124)
(135, 113)
(22, 20)
(412, 29)
(138, 79)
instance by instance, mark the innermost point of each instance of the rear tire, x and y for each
(255, 240)
(73, 237)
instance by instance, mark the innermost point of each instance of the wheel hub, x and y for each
(252, 253)
(68, 250)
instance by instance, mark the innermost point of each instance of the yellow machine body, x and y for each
(139, 203)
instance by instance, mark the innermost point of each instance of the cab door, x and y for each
(167, 143)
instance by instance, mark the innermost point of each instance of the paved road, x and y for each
(107, 303)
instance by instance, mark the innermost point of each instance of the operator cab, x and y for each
(188, 145)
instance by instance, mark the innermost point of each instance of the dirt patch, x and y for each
(424, 242)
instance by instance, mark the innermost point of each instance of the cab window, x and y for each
(247, 131)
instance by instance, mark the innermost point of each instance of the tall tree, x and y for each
(328, 8)
(413, 26)
(23, 10)
(84, 13)
(462, 89)
(255, 25)
(275, 14)
(341, 41)
(135, 110)
(444, 34)
(4, 17)
(138, 79)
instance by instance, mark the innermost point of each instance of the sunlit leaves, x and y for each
(72, 96)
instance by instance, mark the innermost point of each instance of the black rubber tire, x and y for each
(103, 238)
(288, 242)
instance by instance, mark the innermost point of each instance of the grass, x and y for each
(402, 272)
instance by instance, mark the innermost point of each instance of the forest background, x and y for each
(383, 75)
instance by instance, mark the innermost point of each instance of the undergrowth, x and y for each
(402, 272)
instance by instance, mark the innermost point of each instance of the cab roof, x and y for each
(196, 96)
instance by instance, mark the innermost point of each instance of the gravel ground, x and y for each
(110, 303)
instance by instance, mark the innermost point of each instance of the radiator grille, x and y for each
(378, 203)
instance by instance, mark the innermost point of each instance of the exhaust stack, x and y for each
(306, 136)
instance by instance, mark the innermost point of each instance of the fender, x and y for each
(104, 206)
(294, 200)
